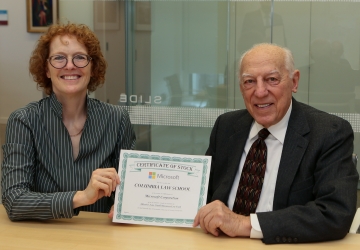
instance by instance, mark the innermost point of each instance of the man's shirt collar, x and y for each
(278, 130)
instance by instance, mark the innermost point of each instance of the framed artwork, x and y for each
(106, 15)
(143, 16)
(41, 14)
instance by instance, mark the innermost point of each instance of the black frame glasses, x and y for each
(60, 61)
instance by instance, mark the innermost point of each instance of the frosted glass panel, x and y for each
(182, 66)
(334, 54)
(179, 62)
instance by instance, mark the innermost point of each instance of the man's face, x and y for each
(266, 85)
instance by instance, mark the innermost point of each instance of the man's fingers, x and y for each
(111, 213)
(196, 220)
(201, 217)
(212, 224)
(216, 218)
(211, 217)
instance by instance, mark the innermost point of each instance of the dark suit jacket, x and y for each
(315, 194)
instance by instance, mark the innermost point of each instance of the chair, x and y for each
(356, 223)
(354, 159)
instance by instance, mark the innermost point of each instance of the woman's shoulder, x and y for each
(104, 108)
(31, 109)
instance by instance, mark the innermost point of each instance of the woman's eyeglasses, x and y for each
(60, 61)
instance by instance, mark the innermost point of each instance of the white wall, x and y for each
(16, 85)
(76, 11)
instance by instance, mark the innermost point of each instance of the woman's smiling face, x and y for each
(69, 80)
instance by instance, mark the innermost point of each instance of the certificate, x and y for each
(160, 189)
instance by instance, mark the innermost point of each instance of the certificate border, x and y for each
(127, 156)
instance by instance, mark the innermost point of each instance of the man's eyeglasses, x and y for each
(60, 61)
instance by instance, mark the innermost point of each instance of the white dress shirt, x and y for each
(274, 143)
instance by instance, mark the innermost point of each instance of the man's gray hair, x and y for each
(289, 59)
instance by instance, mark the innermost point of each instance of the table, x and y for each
(96, 231)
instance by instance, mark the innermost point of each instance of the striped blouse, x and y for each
(40, 175)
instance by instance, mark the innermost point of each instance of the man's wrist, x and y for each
(245, 226)
(255, 227)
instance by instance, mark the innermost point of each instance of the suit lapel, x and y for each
(293, 151)
(236, 146)
(237, 142)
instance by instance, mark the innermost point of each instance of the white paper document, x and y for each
(160, 189)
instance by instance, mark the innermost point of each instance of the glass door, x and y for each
(177, 72)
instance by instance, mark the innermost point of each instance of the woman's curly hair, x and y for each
(38, 60)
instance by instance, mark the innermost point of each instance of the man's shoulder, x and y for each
(234, 114)
(319, 118)
(232, 117)
(315, 113)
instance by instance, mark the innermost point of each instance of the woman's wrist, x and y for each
(79, 199)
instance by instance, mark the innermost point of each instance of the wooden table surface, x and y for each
(96, 231)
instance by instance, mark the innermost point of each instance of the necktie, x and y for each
(252, 176)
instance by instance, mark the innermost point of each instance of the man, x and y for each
(310, 183)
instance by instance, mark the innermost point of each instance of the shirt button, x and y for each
(277, 239)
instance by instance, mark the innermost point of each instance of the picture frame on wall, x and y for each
(41, 14)
(143, 16)
(106, 15)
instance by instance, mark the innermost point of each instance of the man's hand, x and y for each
(102, 183)
(215, 217)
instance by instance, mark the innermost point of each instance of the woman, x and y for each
(60, 152)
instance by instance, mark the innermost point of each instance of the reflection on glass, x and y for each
(332, 80)
(260, 25)
(181, 60)
(184, 58)
(188, 52)
(209, 90)
(180, 140)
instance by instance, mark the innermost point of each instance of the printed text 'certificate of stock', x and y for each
(160, 189)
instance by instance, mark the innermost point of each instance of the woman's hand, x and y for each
(102, 183)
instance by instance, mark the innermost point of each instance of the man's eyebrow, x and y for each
(274, 71)
(246, 75)
(271, 72)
